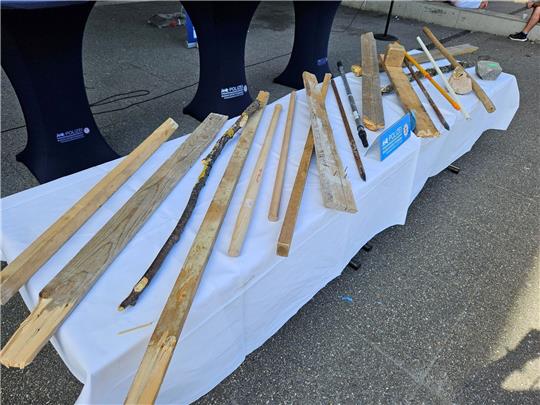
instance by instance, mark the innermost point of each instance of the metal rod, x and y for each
(359, 127)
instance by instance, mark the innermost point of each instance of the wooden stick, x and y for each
(432, 81)
(428, 97)
(335, 187)
(410, 101)
(480, 93)
(291, 214)
(372, 108)
(19, 271)
(389, 88)
(250, 198)
(443, 77)
(63, 293)
(273, 212)
(145, 386)
(348, 131)
(176, 234)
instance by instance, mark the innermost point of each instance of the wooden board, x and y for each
(273, 212)
(457, 50)
(372, 108)
(291, 214)
(335, 187)
(409, 99)
(246, 210)
(480, 93)
(19, 271)
(155, 362)
(68, 288)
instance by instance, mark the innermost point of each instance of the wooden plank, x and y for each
(19, 271)
(335, 187)
(250, 198)
(480, 93)
(410, 101)
(372, 108)
(457, 50)
(68, 288)
(291, 214)
(155, 362)
(273, 212)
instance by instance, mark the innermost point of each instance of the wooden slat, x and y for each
(372, 108)
(480, 93)
(246, 210)
(68, 288)
(409, 99)
(457, 50)
(273, 212)
(155, 362)
(291, 214)
(19, 271)
(335, 187)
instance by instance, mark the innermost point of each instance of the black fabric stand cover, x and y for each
(313, 23)
(221, 28)
(42, 56)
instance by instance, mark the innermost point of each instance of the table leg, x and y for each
(221, 33)
(313, 23)
(42, 56)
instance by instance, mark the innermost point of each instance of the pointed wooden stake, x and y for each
(68, 288)
(372, 108)
(145, 386)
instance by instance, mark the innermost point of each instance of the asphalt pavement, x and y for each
(444, 309)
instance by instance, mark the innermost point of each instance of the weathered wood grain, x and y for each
(149, 376)
(19, 271)
(335, 187)
(293, 206)
(372, 108)
(63, 293)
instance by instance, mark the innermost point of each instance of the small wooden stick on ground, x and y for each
(289, 222)
(273, 212)
(149, 376)
(176, 234)
(19, 271)
(348, 131)
(246, 210)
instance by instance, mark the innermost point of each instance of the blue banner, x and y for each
(396, 135)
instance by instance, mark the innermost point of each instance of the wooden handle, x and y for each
(246, 210)
(480, 93)
(433, 82)
(273, 213)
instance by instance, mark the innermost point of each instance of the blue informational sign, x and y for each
(191, 40)
(396, 135)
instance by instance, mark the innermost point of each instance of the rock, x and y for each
(460, 81)
(488, 69)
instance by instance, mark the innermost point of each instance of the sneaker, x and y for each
(518, 36)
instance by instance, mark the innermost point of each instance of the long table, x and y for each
(241, 301)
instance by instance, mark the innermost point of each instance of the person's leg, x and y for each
(535, 17)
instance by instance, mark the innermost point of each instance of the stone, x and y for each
(488, 69)
(460, 81)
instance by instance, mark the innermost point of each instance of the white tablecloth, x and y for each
(241, 301)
